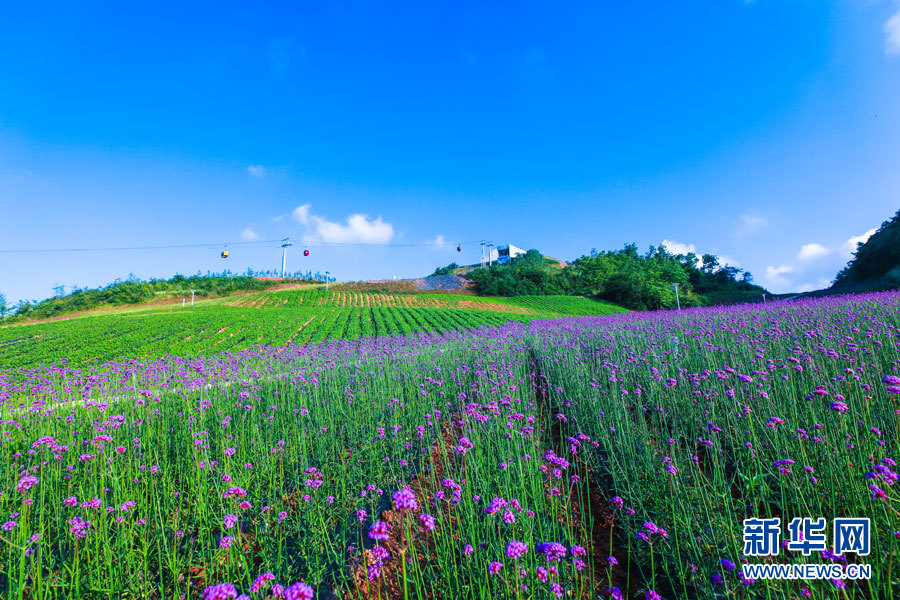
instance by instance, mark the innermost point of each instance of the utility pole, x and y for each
(327, 273)
(482, 243)
(490, 246)
(285, 243)
(677, 301)
(183, 300)
(192, 298)
(764, 298)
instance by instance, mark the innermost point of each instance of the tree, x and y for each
(3, 306)
(877, 261)
(448, 270)
(710, 263)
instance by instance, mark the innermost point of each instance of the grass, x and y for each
(278, 318)
(464, 464)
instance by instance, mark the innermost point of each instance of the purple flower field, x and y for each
(612, 457)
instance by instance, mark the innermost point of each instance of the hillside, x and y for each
(155, 291)
(274, 318)
(876, 263)
(623, 277)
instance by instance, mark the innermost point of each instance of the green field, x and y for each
(270, 318)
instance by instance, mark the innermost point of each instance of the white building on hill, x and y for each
(502, 254)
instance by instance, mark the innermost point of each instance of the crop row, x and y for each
(549, 305)
(218, 328)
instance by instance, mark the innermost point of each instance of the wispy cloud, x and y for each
(678, 247)
(682, 248)
(357, 229)
(750, 223)
(301, 214)
(730, 261)
(257, 170)
(892, 34)
(248, 235)
(812, 251)
(440, 243)
(777, 276)
(822, 283)
(849, 247)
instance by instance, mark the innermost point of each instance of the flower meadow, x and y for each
(611, 457)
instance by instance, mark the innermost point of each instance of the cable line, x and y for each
(242, 243)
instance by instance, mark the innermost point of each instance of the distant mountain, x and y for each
(875, 264)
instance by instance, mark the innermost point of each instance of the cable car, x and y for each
(225, 252)
(459, 248)
(306, 252)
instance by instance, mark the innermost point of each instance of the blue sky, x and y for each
(767, 132)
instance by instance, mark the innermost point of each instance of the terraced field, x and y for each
(268, 318)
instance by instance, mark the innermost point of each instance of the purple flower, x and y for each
(427, 521)
(652, 595)
(381, 553)
(299, 591)
(495, 567)
(552, 551)
(260, 581)
(516, 549)
(220, 591)
(730, 566)
(26, 483)
(380, 530)
(226, 542)
(229, 521)
(235, 491)
(405, 499)
(877, 492)
(78, 527)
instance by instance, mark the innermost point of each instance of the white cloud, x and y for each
(892, 34)
(248, 235)
(724, 259)
(257, 170)
(679, 248)
(849, 247)
(358, 229)
(301, 214)
(773, 272)
(776, 276)
(750, 223)
(440, 243)
(821, 284)
(812, 251)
